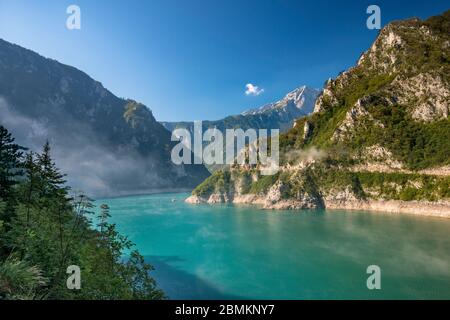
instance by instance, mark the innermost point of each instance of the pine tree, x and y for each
(53, 179)
(31, 183)
(103, 217)
(10, 162)
(46, 230)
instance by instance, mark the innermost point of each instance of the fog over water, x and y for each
(90, 166)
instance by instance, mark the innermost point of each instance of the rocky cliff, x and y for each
(379, 137)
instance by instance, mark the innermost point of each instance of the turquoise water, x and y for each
(240, 252)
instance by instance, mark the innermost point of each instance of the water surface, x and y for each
(241, 252)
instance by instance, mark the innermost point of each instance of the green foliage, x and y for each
(423, 56)
(402, 186)
(292, 137)
(217, 182)
(134, 113)
(327, 179)
(49, 173)
(246, 181)
(408, 194)
(441, 23)
(325, 123)
(263, 184)
(18, 280)
(10, 164)
(46, 231)
(365, 85)
(418, 145)
(10, 171)
(393, 186)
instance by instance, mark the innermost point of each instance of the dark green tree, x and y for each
(10, 163)
(103, 217)
(51, 175)
(47, 230)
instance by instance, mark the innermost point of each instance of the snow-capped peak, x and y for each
(302, 99)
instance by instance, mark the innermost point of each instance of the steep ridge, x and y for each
(379, 137)
(107, 145)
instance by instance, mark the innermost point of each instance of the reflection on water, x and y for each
(231, 252)
(180, 284)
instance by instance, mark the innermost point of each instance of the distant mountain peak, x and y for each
(300, 100)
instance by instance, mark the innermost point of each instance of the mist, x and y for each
(305, 155)
(90, 166)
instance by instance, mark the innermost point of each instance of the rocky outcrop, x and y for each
(422, 208)
(380, 132)
(428, 93)
(273, 200)
(352, 117)
(327, 97)
(437, 171)
(307, 130)
(194, 199)
(334, 200)
(383, 54)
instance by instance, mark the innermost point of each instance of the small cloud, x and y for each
(253, 90)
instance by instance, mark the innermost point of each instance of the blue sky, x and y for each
(191, 59)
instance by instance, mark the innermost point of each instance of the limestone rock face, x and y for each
(275, 193)
(219, 198)
(326, 96)
(425, 88)
(428, 93)
(378, 137)
(306, 130)
(351, 120)
(193, 199)
(341, 196)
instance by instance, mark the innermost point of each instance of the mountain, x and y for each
(278, 115)
(379, 137)
(297, 103)
(107, 145)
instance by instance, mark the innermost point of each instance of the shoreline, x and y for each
(440, 209)
(417, 208)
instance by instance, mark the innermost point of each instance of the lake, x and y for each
(242, 252)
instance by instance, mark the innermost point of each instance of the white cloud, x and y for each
(253, 90)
